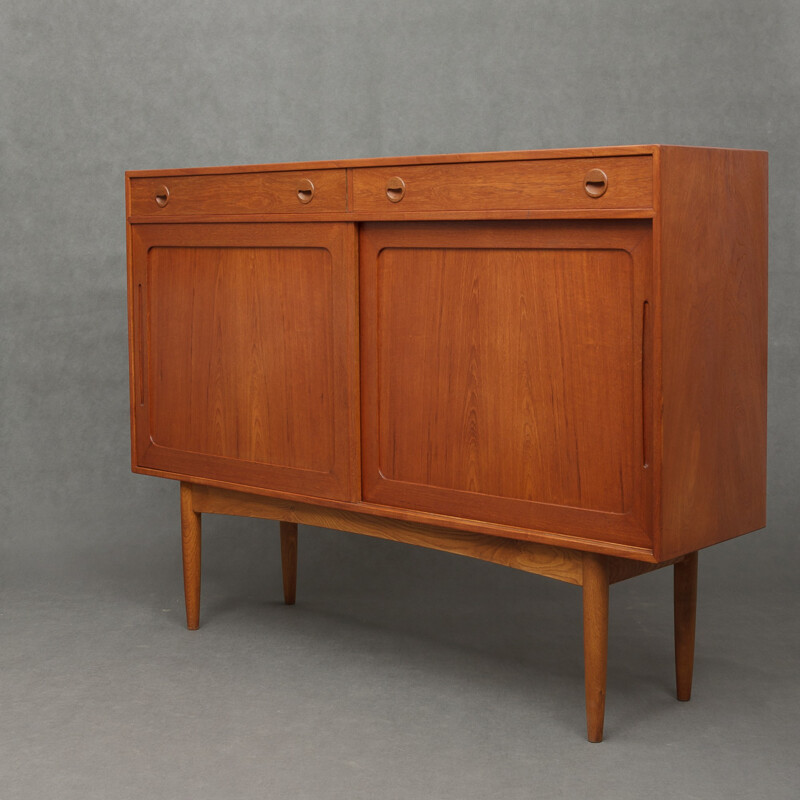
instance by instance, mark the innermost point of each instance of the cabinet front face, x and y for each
(506, 371)
(244, 353)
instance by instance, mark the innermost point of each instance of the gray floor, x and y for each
(420, 675)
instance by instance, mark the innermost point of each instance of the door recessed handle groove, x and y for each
(141, 333)
(645, 385)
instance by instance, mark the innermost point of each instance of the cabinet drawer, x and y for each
(568, 183)
(239, 193)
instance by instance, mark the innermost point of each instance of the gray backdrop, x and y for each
(90, 89)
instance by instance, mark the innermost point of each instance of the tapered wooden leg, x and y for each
(289, 561)
(190, 539)
(685, 579)
(595, 641)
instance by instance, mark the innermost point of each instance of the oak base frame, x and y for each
(592, 571)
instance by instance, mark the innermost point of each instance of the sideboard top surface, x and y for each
(447, 158)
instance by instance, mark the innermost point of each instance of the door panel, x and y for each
(248, 354)
(502, 373)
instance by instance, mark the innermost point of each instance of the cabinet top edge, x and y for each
(446, 158)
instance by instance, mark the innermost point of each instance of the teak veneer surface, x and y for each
(553, 360)
(486, 186)
(555, 562)
(490, 352)
(248, 367)
(712, 246)
(561, 563)
(653, 440)
(240, 193)
(443, 158)
(629, 553)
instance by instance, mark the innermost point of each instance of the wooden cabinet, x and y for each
(553, 360)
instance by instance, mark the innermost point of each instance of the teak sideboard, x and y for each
(553, 360)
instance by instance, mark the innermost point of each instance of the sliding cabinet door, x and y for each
(244, 354)
(506, 373)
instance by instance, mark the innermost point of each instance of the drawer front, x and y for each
(621, 182)
(298, 192)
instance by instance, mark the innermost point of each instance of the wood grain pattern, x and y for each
(595, 642)
(441, 158)
(698, 192)
(396, 214)
(191, 548)
(685, 589)
(288, 532)
(251, 354)
(555, 396)
(556, 183)
(222, 381)
(501, 373)
(713, 246)
(639, 555)
(555, 562)
(621, 569)
(238, 193)
(498, 392)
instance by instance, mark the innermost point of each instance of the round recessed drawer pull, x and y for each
(162, 196)
(305, 191)
(595, 183)
(395, 189)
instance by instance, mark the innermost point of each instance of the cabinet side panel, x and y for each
(714, 318)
